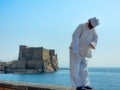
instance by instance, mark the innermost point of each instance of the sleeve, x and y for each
(95, 39)
(75, 39)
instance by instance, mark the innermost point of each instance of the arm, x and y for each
(94, 41)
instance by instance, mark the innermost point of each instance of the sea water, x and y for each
(100, 78)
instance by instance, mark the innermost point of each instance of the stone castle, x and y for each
(36, 58)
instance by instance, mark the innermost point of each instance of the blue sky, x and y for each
(50, 24)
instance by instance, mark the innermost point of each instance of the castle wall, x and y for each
(18, 64)
(37, 58)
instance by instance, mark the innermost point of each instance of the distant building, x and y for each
(32, 59)
(37, 58)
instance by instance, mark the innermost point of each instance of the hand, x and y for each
(91, 46)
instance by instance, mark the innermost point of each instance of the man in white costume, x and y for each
(83, 40)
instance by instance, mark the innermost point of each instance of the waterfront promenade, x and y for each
(9, 85)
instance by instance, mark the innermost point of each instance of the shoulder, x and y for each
(81, 25)
(78, 29)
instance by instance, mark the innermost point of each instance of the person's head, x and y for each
(93, 22)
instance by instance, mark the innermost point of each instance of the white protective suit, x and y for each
(79, 49)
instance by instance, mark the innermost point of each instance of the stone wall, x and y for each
(18, 65)
(30, 53)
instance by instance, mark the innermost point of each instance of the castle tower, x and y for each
(21, 49)
(38, 58)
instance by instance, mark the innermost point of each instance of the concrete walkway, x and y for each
(10, 85)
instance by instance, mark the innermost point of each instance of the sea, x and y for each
(100, 78)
